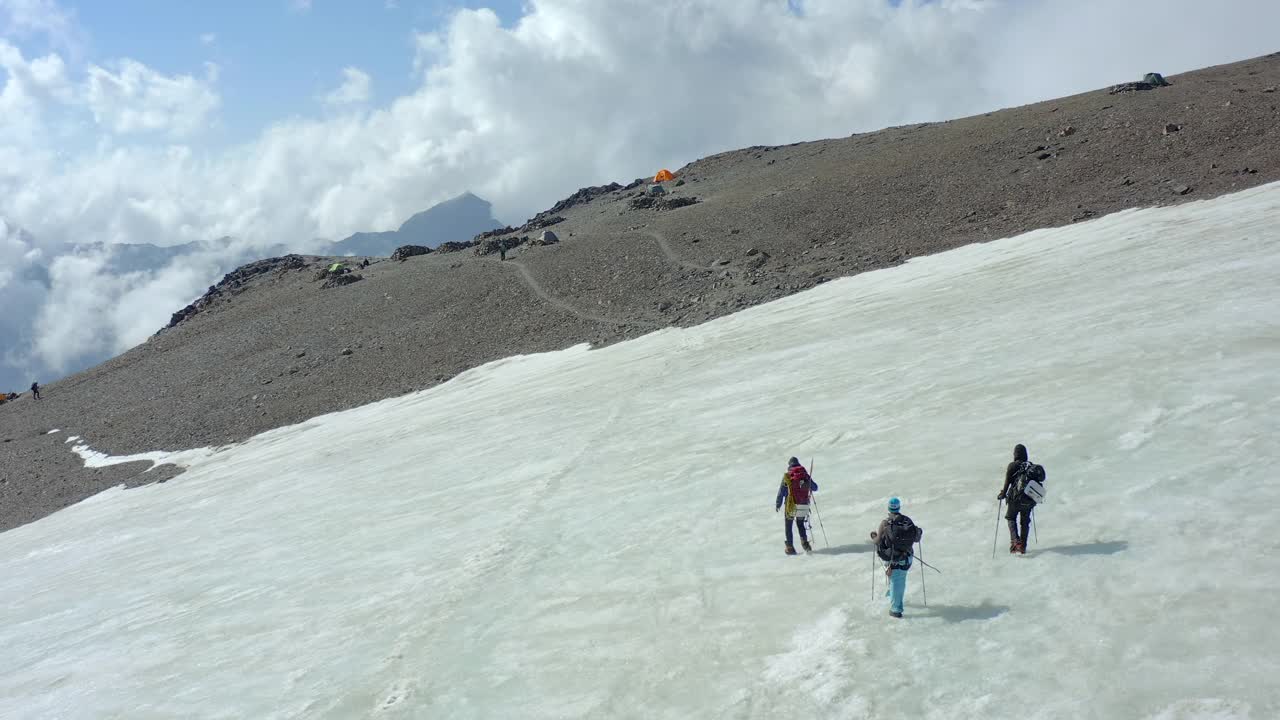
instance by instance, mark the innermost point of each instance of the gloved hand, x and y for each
(776, 508)
(1000, 496)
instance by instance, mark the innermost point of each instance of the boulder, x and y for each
(541, 220)
(404, 252)
(1150, 81)
(1130, 87)
(454, 246)
(494, 233)
(677, 202)
(491, 245)
(643, 202)
(340, 280)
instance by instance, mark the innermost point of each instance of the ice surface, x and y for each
(591, 534)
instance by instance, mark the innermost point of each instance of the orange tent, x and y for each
(663, 176)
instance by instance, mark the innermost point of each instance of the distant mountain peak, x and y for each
(459, 218)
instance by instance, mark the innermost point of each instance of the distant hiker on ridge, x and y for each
(35, 390)
(1023, 488)
(894, 541)
(795, 489)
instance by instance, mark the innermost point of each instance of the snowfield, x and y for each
(591, 534)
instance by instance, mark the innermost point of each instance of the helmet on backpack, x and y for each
(894, 504)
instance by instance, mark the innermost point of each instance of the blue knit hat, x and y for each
(894, 504)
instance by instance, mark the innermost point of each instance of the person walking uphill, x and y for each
(1023, 487)
(795, 489)
(35, 390)
(894, 542)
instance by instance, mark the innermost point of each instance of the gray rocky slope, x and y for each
(768, 222)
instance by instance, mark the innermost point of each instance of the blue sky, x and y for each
(274, 57)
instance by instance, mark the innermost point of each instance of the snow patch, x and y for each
(182, 458)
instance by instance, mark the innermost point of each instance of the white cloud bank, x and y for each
(576, 92)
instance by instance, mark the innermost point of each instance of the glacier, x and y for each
(590, 533)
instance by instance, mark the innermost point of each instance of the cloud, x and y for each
(355, 88)
(136, 98)
(30, 88)
(575, 92)
(301, 6)
(89, 313)
(208, 38)
(43, 18)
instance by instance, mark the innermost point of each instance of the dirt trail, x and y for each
(671, 255)
(550, 299)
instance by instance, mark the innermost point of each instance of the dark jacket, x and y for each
(882, 541)
(1009, 473)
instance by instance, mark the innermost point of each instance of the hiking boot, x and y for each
(896, 614)
(1022, 548)
(807, 547)
(1013, 547)
(791, 549)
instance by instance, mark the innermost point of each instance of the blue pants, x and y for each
(898, 585)
(799, 522)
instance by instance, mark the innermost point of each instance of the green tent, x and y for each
(1155, 80)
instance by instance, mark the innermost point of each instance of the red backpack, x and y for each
(798, 485)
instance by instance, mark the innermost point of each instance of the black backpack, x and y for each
(1025, 473)
(898, 539)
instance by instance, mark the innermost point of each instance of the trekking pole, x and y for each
(820, 525)
(922, 587)
(1034, 532)
(812, 464)
(996, 537)
(873, 576)
(917, 559)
